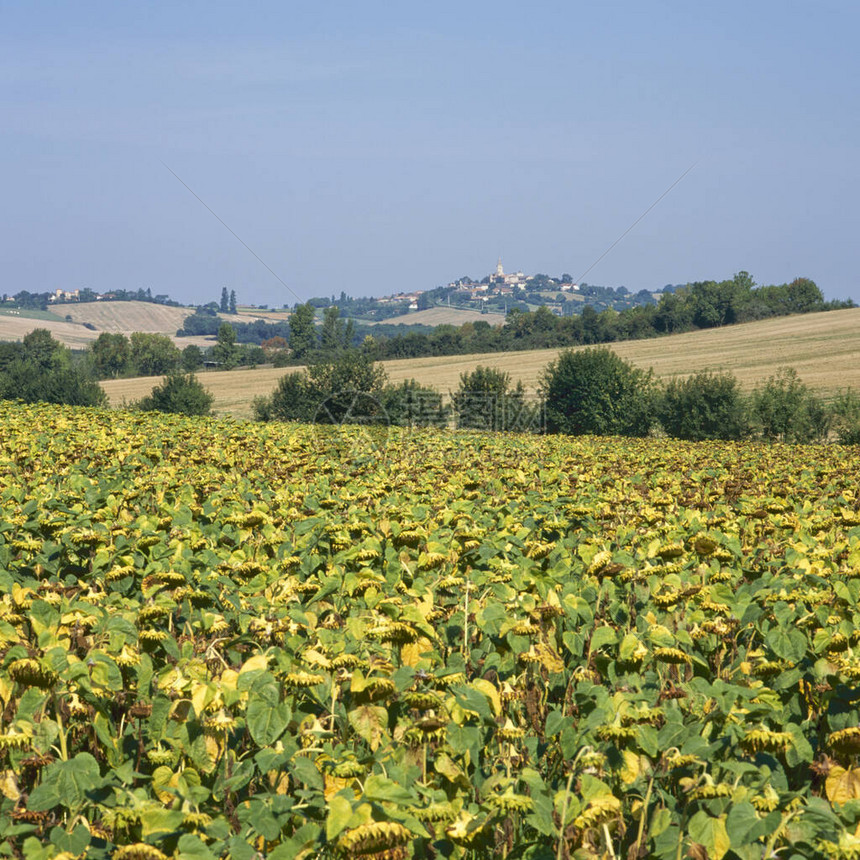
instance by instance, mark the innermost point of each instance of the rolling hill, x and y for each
(68, 322)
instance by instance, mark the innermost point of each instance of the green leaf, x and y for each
(603, 636)
(789, 643)
(157, 822)
(555, 722)
(741, 820)
(469, 699)
(266, 722)
(306, 771)
(339, 813)
(43, 797)
(74, 842)
(193, 847)
(646, 738)
(76, 777)
(380, 788)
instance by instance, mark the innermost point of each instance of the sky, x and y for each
(377, 147)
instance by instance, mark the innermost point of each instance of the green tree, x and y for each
(42, 369)
(40, 348)
(294, 399)
(233, 302)
(178, 393)
(704, 406)
(153, 354)
(596, 391)
(803, 296)
(412, 405)
(336, 334)
(303, 332)
(225, 351)
(845, 418)
(328, 392)
(785, 410)
(486, 400)
(192, 358)
(111, 355)
(225, 301)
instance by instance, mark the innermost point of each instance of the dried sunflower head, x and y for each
(31, 673)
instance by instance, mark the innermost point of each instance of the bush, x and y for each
(485, 400)
(785, 410)
(178, 393)
(192, 358)
(294, 399)
(42, 369)
(845, 418)
(703, 406)
(25, 380)
(412, 405)
(595, 391)
(349, 389)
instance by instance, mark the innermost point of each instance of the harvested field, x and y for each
(824, 348)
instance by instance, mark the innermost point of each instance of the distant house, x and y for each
(64, 296)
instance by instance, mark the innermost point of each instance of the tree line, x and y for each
(42, 301)
(590, 391)
(700, 305)
(39, 368)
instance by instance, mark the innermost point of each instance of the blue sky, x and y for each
(376, 147)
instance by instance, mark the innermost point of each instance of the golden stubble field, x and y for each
(117, 317)
(824, 348)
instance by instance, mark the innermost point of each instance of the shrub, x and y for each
(294, 399)
(346, 390)
(192, 358)
(596, 391)
(785, 410)
(42, 369)
(845, 418)
(485, 400)
(178, 393)
(412, 405)
(71, 384)
(703, 406)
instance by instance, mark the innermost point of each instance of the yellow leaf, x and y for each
(410, 653)
(634, 766)
(201, 695)
(549, 658)
(490, 691)
(334, 784)
(842, 785)
(228, 679)
(213, 748)
(164, 779)
(257, 662)
(9, 785)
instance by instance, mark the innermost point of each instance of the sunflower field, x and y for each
(237, 640)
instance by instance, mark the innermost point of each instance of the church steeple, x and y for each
(500, 272)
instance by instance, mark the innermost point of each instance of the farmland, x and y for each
(123, 317)
(823, 347)
(235, 639)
